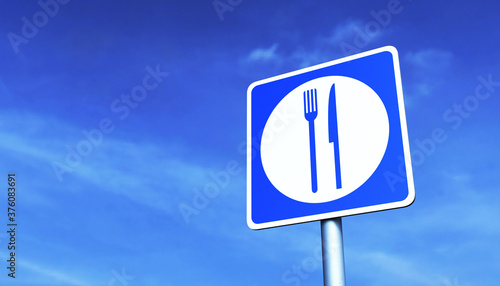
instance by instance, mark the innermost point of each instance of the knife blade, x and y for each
(333, 133)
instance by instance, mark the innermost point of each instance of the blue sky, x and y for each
(112, 216)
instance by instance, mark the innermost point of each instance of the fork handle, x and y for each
(312, 147)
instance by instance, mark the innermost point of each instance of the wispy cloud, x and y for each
(264, 54)
(332, 45)
(119, 207)
(319, 47)
(425, 72)
(430, 59)
(118, 166)
(34, 273)
(343, 32)
(52, 275)
(325, 47)
(376, 266)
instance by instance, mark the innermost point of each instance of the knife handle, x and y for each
(336, 152)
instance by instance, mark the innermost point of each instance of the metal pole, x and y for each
(333, 252)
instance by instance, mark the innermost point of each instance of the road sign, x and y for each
(328, 141)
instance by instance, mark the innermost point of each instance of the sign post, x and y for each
(333, 252)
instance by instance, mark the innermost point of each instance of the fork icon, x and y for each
(310, 113)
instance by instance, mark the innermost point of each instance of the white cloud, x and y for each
(426, 72)
(345, 39)
(378, 265)
(307, 58)
(263, 54)
(322, 48)
(163, 174)
(452, 219)
(41, 273)
(326, 47)
(430, 59)
(344, 32)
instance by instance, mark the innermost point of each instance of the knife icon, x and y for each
(333, 133)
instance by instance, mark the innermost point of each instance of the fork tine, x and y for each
(315, 101)
(311, 101)
(308, 102)
(305, 106)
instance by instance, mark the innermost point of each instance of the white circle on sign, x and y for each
(363, 132)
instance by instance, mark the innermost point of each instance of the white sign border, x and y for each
(404, 132)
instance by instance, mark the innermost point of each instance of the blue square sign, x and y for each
(328, 141)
